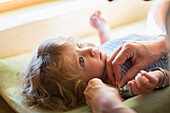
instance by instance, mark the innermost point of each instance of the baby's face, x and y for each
(90, 60)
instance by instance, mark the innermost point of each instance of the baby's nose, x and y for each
(90, 50)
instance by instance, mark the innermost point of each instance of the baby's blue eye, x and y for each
(81, 61)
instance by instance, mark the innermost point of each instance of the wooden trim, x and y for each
(13, 4)
(4, 107)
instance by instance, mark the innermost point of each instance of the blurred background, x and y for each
(24, 23)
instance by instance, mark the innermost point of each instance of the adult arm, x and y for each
(104, 99)
(168, 24)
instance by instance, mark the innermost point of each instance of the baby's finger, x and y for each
(134, 87)
(130, 83)
(144, 82)
(129, 75)
(150, 78)
(139, 82)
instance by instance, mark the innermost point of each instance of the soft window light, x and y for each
(2, 1)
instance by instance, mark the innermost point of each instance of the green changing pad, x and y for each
(10, 90)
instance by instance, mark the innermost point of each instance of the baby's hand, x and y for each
(145, 82)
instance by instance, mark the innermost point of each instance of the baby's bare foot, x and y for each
(101, 26)
(97, 22)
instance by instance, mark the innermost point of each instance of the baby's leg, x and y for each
(156, 17)
(101, 26)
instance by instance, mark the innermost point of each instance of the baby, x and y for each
(61, 67)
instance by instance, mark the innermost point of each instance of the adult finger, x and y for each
(109, 65)
(87, 100)
(124, 54)
(129, 75)
(95, 81)
(93, 84)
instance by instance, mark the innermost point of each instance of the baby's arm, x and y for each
(101, 26)
(146, 82)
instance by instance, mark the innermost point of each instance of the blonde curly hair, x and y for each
(50, 80)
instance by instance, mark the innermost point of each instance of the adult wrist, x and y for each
(159, 46)
(105, 102)
(121, 108)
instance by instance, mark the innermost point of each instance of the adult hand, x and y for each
(95, 86)
(103, 98)
(142, 55)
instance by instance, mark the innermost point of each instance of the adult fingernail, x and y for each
(117, 82)
(107, 58)
(120, 84)
(113, 83)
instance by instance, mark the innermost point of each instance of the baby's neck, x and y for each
(105, 78)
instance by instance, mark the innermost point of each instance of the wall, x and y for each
(25, 38)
